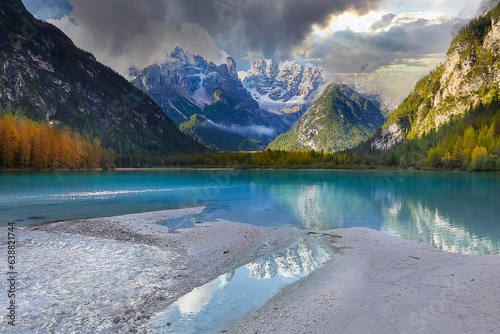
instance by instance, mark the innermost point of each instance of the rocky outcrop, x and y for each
(388, 138)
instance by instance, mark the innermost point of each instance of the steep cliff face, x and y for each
(45, 74)
(340, 119)
(288, 88)
(469, 77)
(186, 83)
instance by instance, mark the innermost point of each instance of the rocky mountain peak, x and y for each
(267, 68)
(289, 87)
(185, 59)
(186, 83)
(339, 119)
(178, 53)
(231, 66)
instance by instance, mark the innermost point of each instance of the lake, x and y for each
(457, 212)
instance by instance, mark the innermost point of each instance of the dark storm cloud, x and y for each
(269, 27)
(121, 33)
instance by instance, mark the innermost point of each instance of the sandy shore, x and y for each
(385, 284)
(109, 275)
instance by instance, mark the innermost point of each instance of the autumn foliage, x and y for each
(25, 143)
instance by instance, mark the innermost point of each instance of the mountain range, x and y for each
(210, 102)
(187, 104)
(50, 79)
(289, 88)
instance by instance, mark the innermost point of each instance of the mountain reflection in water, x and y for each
(221, 302)
(456, 212)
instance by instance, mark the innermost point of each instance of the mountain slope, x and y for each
(340, 119)
(185, 83)
(469, 77)
(45, 74)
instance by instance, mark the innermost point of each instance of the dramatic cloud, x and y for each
(122, 33)
(381, 41)
(392, 39)
(270, 28)
(141, 31)
(387, 57)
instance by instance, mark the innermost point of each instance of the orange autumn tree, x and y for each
(25, 143)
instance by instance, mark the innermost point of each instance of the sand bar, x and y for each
(385, 284)
(109, 275)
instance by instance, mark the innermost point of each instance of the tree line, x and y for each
(470, 143)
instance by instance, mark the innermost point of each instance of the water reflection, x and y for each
(194, 301)
(292, 262)
(456, 212)
(221, 302)
(432, 227)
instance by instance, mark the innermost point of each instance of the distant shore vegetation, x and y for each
(469, 143)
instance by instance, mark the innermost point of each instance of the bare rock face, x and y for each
(186, 83)
(288, 87)
(389, 138)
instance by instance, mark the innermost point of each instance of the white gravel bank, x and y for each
(385, 284)
(108, 275)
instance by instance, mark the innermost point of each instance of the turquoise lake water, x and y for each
(457, 212)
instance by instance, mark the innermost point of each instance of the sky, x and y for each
(386, 44)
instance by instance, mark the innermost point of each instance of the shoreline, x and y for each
(386, 284)
(78, 276)
(251, 168)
